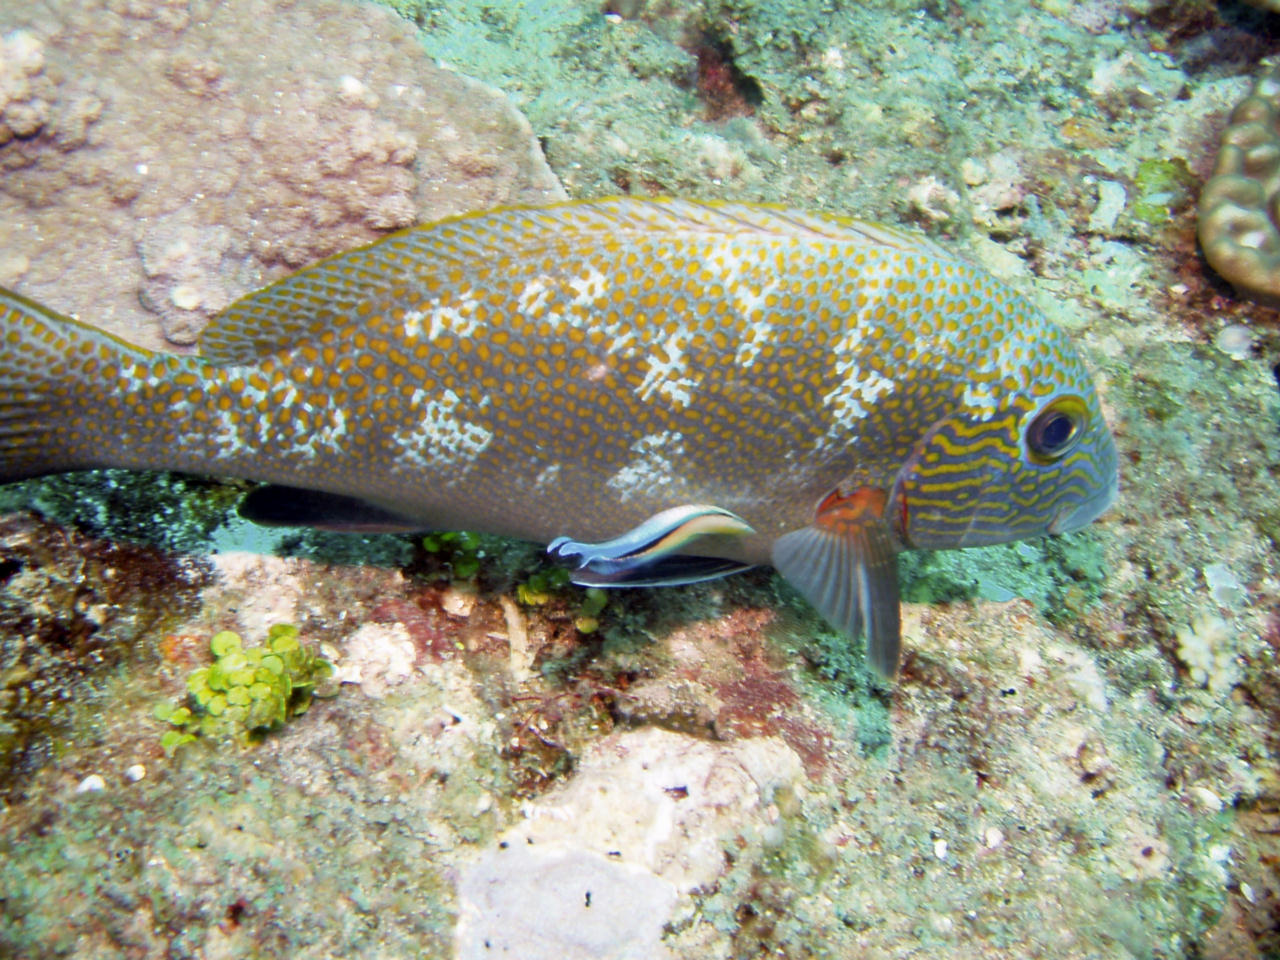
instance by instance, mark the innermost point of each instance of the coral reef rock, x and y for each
(596, 867)
(196, 151)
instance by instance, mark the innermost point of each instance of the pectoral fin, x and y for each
(844, 564)
(648, 555)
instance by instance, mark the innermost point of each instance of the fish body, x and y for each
(569, 373)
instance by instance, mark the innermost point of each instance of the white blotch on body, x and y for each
(980, 399)
(533, 297)
(226, 434)
(589, 289)
(853, 399)
(756, 336)
(413, 324)
(651, 467)
(322, 442)
(547, 477)
(457, 320)
(442, 439)
(664, 376)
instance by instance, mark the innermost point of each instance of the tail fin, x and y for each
(45, 360)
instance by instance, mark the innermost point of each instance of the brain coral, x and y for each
(159, 162)
(1238, 206)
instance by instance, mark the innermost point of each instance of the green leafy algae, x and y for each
(460, 549)
(543, 586)
(247, 691)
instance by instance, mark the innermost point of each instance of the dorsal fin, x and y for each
(327, 293)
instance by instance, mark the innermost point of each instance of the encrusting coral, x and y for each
(228, 147)
(23, 109)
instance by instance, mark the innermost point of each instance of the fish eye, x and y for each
(1056, 429)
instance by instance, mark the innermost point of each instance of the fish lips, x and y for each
(1073, 516)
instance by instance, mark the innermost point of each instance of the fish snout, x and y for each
(1080, 513)
(1074, 516)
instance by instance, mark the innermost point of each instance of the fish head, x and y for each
(1024, 451)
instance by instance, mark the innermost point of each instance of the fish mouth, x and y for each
(1073, 516)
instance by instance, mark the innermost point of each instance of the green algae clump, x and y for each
(544, 585)
(247, 691)
(1162, 188)
(460, 549)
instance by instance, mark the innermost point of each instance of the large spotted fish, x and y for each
(666, 391)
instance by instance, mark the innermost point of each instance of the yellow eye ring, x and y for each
(1056, 429)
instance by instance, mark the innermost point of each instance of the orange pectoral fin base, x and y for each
(844, 563)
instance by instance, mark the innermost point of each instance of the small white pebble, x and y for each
(351, 86)
(940, 849)
(933, 198)
(26, 50)
(1111, 200)
(458, 602)
(13, 266)
(135, 772)
(484, 803)
(185, 296)
(1224, 586)
(1206, 799)
(833, 59)
(91, 784)
(1236, 341)
(1247, 892)
(993, 837)
(973, 171)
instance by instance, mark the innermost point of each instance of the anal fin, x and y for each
(649, 554)
(844, 563)
(280, 506)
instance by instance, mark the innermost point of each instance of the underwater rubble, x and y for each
(1079, 759)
